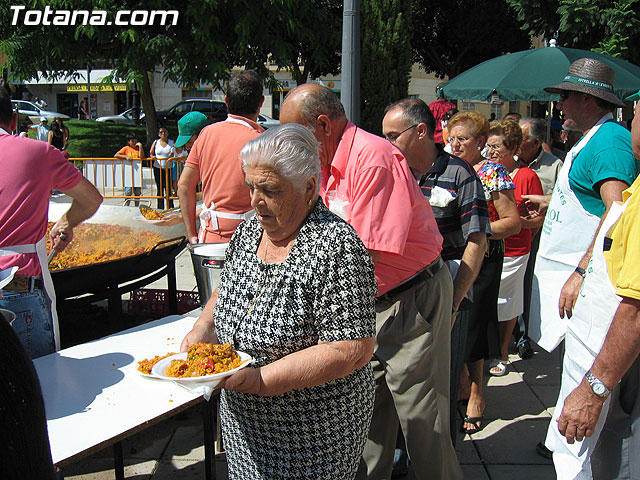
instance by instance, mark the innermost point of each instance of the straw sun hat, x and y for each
(588, 75)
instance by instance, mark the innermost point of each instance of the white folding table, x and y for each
(95, 397)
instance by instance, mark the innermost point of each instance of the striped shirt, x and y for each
(455, 192)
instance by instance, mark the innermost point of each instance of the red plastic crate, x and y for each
(155, 303)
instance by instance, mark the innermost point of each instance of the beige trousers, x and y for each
(411, 363)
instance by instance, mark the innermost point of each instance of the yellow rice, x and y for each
(205, 359)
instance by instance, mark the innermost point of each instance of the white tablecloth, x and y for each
(94, 394)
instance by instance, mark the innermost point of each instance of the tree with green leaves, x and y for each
(209, 39)
(451, 37)
(132, 51)
(385, 58)
(309, 33)
(610, 27)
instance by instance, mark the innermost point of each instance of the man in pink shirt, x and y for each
(30, 170)
(215, 160)
(368, 182)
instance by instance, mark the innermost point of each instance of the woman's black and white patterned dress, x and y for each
(324, 291)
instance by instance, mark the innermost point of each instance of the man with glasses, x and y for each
(595, 173)
(456, 196)
(367, 181)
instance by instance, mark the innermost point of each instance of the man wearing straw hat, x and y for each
(595, 173)
(617, 365)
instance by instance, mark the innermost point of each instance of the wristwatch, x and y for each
(599, 388)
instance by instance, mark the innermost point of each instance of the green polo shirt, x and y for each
(608, 155)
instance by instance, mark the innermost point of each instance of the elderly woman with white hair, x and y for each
(297, 293)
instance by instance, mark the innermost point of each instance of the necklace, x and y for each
(259, 290)
(254, 297)
(261, 283)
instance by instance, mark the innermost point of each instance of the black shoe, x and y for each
(400, 464)
(525, 351)
(543, 451)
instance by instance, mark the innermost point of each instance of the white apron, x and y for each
(40, 249)
(586, 331)
(566, 234)
(209, 215)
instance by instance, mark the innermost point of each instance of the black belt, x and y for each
(24, 283)
(428, 272)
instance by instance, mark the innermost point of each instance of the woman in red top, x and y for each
(504, 139)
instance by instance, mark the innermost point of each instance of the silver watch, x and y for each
(599, 388)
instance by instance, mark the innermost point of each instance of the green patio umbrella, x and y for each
(522, 76)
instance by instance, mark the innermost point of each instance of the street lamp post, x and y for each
(350, 92)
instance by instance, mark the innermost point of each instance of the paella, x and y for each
(101, 242)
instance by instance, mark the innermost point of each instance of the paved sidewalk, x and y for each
(519, 407)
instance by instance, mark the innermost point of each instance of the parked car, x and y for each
(215, 110)
(125, 117)
(29, 112)
(267, 122)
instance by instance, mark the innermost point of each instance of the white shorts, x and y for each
(511, 295)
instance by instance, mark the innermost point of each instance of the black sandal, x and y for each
(474, 421)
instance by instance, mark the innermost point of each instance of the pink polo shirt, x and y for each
(30, 170)
(370, 181)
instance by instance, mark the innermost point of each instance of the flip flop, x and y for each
(497, 368)
(474, 421)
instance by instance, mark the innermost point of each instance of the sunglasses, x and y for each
(564, 96)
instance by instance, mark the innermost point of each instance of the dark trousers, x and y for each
(458, 350)
(163, 183)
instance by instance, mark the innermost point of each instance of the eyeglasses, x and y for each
(458, 139)
(394, 137)
(494, 147)
(564, 96)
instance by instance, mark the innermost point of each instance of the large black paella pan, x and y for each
(99, 277)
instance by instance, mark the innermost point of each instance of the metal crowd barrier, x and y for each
(112, 175)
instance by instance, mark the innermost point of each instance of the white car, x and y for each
(267, 122)
(125, 117)
(29, 112)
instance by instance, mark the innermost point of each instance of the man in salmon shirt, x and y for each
(367, 181)
(30, 170)
(214, 160)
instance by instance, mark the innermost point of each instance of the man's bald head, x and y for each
(320, 110)
(308, 101)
